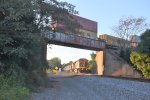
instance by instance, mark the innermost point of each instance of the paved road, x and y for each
(93, 88)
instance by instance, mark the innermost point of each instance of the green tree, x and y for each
(144, 45)
(20, 43)
(55, 62)
(141, 58)
(92, 62)
(93, 55)
(48, 11)
(18, 40)
(21, 24)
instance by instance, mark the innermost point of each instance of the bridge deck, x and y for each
(74, 41)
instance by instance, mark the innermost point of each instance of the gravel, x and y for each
(93, 88)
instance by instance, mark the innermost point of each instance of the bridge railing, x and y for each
(74, 39)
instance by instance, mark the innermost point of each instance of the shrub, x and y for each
(141, 58)
(141, 62)
(12, 89)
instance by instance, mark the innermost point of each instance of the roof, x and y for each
(81, 59)
(87, 24)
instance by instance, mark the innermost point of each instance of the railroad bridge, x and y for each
(76, 41)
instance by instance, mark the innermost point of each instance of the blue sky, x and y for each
(107, 13)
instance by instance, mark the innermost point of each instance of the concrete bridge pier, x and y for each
(100, 62)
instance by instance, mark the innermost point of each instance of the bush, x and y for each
(12, 89)
(21, 44)
(141, 62)
(144, 46)
(141, 58)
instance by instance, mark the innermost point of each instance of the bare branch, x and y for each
(130, 26)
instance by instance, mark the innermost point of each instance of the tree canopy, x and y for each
(141, 57)
(48, 11)
(55, 62)
(21, 24)
(92, 62)
(144, 45)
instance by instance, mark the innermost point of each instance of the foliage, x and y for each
(48, 11)
(63, 65)
(92, 62)
(141, 62)
(21, 24)
(12, 89)
(55, 62)
(93, 55)
(144, 45)
(141, 58)
(20, 41)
